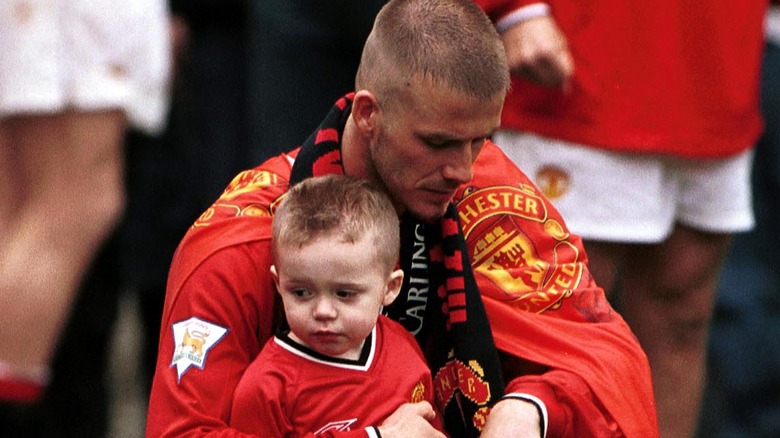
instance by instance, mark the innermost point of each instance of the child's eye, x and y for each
(345, 294)
(301, 293)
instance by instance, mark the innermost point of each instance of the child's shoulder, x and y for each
(394, 332)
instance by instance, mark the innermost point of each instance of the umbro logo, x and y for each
(342, 426)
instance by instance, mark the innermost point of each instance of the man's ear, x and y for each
(394, 283)
(366, 113)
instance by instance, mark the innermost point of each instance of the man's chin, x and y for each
(430, 213)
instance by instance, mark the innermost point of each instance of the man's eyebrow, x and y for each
(436, 136)
(445, 138)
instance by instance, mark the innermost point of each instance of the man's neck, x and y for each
(356, 158)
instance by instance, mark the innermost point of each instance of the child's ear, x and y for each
(394, 283)
(275, 275)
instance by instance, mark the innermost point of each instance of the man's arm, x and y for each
(536, 48)
(562, 343)
(513, 417)
(211, 330)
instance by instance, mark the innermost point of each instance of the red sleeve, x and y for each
(496, 9)
(572, 409)
(192, 396)
(545, 310)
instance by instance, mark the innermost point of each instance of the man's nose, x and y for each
(459, 164)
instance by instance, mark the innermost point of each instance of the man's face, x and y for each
(427, 144)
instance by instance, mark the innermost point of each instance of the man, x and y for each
(638, 121)
(430, 88)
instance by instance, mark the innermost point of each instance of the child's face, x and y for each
(332, 293)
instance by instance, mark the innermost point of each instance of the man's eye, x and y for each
(436, 143)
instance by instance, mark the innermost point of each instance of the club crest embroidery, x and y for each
(244, 183)
(193, 339)
(503, 252)
(418, 393)
(553, 181)
(457, 379)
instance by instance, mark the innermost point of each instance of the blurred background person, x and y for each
(170, 176)
(73, 76)
(744, 385)
(638, 121)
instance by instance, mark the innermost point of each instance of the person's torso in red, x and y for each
(313, 393)
(678, 77)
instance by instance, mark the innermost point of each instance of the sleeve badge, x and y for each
(193, 338)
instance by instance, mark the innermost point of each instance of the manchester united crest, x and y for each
(498, 223)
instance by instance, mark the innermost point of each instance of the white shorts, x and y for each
(621, 197)
(85, 54)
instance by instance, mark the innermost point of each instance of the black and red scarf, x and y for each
(439, 302)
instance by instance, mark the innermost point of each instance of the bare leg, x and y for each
(605, 260)
(667, 297)
(64, 188)
(9, 196)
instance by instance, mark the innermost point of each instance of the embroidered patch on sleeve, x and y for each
(193, 338)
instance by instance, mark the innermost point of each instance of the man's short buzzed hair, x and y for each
(452, 42)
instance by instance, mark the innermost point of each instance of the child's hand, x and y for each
(411, 420)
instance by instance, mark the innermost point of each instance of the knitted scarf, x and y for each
(439, 301)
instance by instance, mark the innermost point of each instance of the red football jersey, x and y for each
(290, 390)
(678, 77)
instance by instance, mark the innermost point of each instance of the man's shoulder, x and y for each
(252, 192)
(236, 229)
(244, 209)
(494, 172)
(493, 167)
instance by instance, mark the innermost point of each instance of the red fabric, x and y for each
(499, 8)
(668, 76)
(543, 307)
(283, 393)
(231, 237)
(17, 391)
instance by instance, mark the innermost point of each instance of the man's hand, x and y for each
(536, 49)
(512, 417)
(411, 420)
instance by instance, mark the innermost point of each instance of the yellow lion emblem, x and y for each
(194, 341)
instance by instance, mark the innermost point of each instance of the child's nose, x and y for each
(324, 309)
